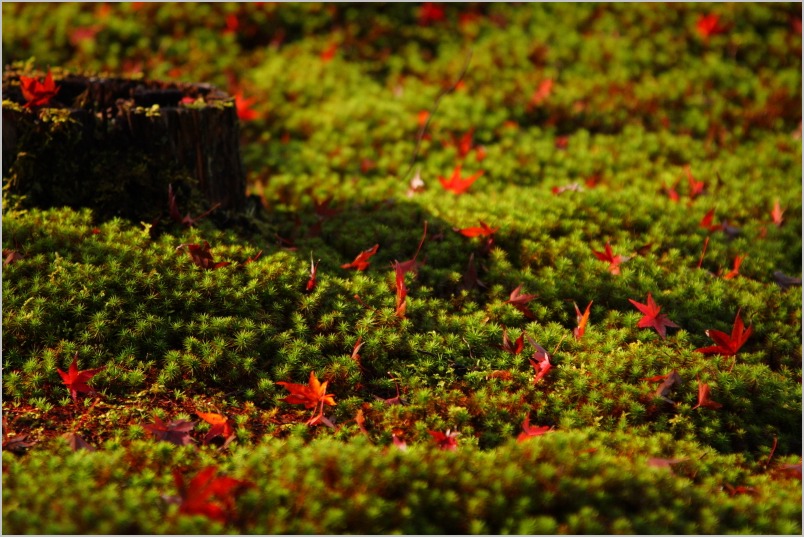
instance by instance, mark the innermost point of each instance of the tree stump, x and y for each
(115, 144)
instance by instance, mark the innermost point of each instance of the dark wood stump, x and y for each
(115, 144)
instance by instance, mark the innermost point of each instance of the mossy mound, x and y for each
(670, 136)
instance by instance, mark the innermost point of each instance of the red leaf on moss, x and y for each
(176, 432)
(401, 291)
(313, 272)
(727, 345)
(253, 258)
(221, 426)
(706, 221)
(703, 397)
(458, 185)
(484, 230)
(430, 12)
(243, 106)
(529, 431)
(579, 331)
(76, 381)
(201, 256)
(735, 271)
(311, 395)
(541, 93)
(446, 441)
(470, 278)
(77, 443)
(540, 361)
(671, 191)
(608, 256)
(519, 301)
(776, 214)
(696, 187)
(669, 381)
(709, 25)
(208, 494)
(652, 316)
(11, 256)
(328, 53)
(514, 348)
(361, 262)
(38, 93)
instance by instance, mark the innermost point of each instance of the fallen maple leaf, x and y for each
(776, 214)
(201, 256)
(313, 273)
(709, 25)
(76, 442)
(311, 395)
(11, 256)
(735, 271)
(458, 185)
(243, 107)
(519, 301)
(784, 281)
(38, 93)
(208, 494)
(446, 441)
(696, 187)
(652, 317)
(470, 278)
(76, 381)
(514, 348)
(706, 221)
(541, 93)
(361, 262)
(579, 331)
(401, 291)
(221, 426)
(176, 432)
(703, 397)
(430, 12)
(672, 191)
(17, 443)
(670, 380)
(727, 345)
(529, 432)
(484, 230)
(613, 260)
(540, 361)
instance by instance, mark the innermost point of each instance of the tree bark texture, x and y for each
(115, 144)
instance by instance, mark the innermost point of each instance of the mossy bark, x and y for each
(114, 144)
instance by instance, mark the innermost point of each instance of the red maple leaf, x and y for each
(706, 221)
(458, 185)
(176, 432)
(484, 230)
(201, 256)
(243, 107)
(696, 187)
(519, 301)
(430, 12)
(38, 93)
(668, 382)
(401, 291)
(652, 317)
(735, 271)
(541, 93)
(221, 426)
(446, 441)
(529, 432)
(540, 361)
(671, 191)
(703, 397)
(76, 381)
(613, 260)
(727, 345)
(514, 348)
(208, 494)
(313, 273)
(709, 25)
(361, 262)
(10, 256)
(776, 214)
(311, 395)
(328, 53)
(579, 331)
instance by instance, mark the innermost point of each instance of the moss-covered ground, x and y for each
(669, 132)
